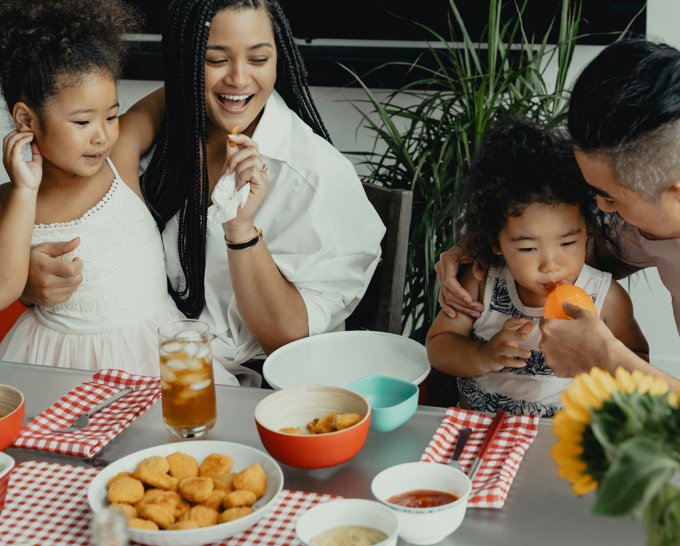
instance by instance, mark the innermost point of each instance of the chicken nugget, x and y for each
(346, 420)
(127, 509)
(181, 525)
(125, 490)
(235, 513)
(139, 523)
(215, 499)
(154, 472)
(225, 482)
(118, 477)
(161, 496)
(216, 464)
(202, 515)
(161, 514)
(182, 465)
(322, 425)
(291, 430)
(252, 479)
(195, 489)
(239, 498)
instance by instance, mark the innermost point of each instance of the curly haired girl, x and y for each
(529, 215)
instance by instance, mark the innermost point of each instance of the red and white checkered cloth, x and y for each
(103, 427)
(502, 459)
(47, 505)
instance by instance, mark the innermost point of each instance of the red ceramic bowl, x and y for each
(297, 406)
(11, 415)
(6, 465)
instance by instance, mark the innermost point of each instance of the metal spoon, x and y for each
(463, 436)
(84, 420)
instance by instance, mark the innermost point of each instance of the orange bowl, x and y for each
(297, 406)
(11, 415)
(567, 293)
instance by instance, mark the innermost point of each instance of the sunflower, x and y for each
(583, 454)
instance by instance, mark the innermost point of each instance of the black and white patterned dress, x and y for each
(533, 389)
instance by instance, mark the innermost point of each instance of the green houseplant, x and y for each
(427, 145)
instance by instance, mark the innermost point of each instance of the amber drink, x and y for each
(188, 387)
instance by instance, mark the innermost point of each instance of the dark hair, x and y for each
(41, 41)
(518, 163)
(177, 177)
(631, 88)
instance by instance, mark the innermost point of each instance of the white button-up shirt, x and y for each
(319, 227)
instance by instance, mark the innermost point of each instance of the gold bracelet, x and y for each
(246, 244)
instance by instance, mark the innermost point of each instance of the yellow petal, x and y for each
(584, 486)
(624, 381)
(573, 407)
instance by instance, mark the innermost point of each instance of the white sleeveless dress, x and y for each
(111, 320)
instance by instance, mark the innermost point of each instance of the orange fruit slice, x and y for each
(567, 293)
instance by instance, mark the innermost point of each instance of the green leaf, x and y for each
(635, 477)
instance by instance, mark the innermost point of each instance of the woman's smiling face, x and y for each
(240, 68)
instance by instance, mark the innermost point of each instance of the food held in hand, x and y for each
(567, 293)
(349, 535)
(234, 131)
(423, 498)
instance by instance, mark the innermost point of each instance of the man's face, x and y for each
(656, 220)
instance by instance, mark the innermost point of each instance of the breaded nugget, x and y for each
(195, 489)
(154, 472)
(127, 509)
(225, 482)
(182, 465)
(161, 496)
(291, 430)
(252, 479)
(139, 523)
(202, 515)
(346, 420)
(216, 464)
(125, 490)
(239, 498)
(215, 499)
(234, 513)
(322, 425)
(181, 525)
(161, 514)
(118, 477)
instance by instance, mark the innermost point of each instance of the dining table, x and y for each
(540, 509)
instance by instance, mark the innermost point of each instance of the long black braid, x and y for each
(176, 180)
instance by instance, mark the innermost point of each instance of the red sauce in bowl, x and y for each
(422, 498)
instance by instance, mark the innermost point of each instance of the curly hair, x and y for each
(41, 41)
(519, 163)
(176, 180)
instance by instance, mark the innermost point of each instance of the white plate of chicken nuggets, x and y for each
(189, 493)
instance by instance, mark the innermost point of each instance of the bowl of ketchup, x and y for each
(429, 499)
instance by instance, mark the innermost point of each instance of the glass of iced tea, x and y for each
(187, 384)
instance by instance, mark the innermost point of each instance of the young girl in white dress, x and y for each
(59, 63)
(529, 216)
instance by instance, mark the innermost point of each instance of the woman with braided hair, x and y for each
(298, 255)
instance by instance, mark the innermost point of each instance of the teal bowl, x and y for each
(393, 401)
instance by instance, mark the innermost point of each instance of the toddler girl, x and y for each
(529, 215)
(59, 63)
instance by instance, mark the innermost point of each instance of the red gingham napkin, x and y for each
(502, 459)
(103, 427)
(47, 505)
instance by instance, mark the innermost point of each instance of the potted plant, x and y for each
(427, 145)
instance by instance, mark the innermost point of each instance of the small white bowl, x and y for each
(341, 512)
(424, 525)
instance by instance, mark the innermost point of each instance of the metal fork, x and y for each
(463, 436)
(84, 420)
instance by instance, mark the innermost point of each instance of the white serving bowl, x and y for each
(338, 358)
(341, 512)
(242, 455)
(424, 525)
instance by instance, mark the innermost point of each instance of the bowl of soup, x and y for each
(429, 499)
(348, 521)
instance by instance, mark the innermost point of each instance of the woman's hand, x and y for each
(52, 280)
(23, 174)
(453, 298)
(503, 350)
(243, 160)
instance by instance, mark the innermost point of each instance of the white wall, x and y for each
(650, 298)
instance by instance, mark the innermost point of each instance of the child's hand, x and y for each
(243, 159)
(503, 349)
(23, 174)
